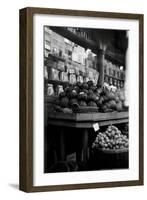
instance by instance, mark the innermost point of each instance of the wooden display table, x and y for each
(84, 121)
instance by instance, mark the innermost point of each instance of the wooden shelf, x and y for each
(84, 120)
(81, 41)
(88, 44)
(57, 82)
(110, 76)
(55, 57)
(118, 59)
(50, 99)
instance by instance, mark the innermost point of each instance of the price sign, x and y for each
(96, 127)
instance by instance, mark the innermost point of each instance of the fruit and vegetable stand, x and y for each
(84, 121)
(84, 84)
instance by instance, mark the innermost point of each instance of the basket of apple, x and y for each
(110, 148)
(112, 140)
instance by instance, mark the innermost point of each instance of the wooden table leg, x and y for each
(85, 145)
(62, 144)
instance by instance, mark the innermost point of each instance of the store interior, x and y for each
(86, 101)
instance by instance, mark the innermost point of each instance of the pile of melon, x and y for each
(87, 94)
(82, 94)
(110, 100)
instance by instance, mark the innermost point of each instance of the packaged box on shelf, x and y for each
(64, 76)
(57, 43)
(69, 67)
(78, 54)
(93, 75)
(115, 82)
(46, 53)
(106, 79)
(50, 63)
(68, 48)
(80, 79)
(72, 79)
(86, 79)
(61, 66)
(50, 90)
(68, 45)
(53, 74)
(89, 63)
(77, 70)
(47, 45)
(82, 70)
(45, 73)
(90, 59)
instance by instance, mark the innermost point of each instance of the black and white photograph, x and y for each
(86, 99)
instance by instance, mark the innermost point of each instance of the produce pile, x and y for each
(83, 94)
(111, 99)
(106, 99)
(112, 138)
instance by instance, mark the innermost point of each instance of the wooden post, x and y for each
(85, 144)
(62, 144)
(101, 57)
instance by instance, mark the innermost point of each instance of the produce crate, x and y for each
(110, 158)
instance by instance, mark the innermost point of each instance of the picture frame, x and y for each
(27, 97)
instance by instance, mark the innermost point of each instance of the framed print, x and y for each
(81, 99)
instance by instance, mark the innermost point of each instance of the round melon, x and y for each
(92, 104)
(112, 104)
(64, 102)
(119, 106)
(73, 101)
(82, 103)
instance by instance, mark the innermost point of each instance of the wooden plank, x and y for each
(55, 57)
(50, 99)
(73, 124)
(62, 116)
(77, 117)
(100, 116)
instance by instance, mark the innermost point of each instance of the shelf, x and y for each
(81, 41)
(110, 76)
(50, 99)
(57, 82)
(88, 44)
(84, 120)
(55, 57)
(116, 58)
